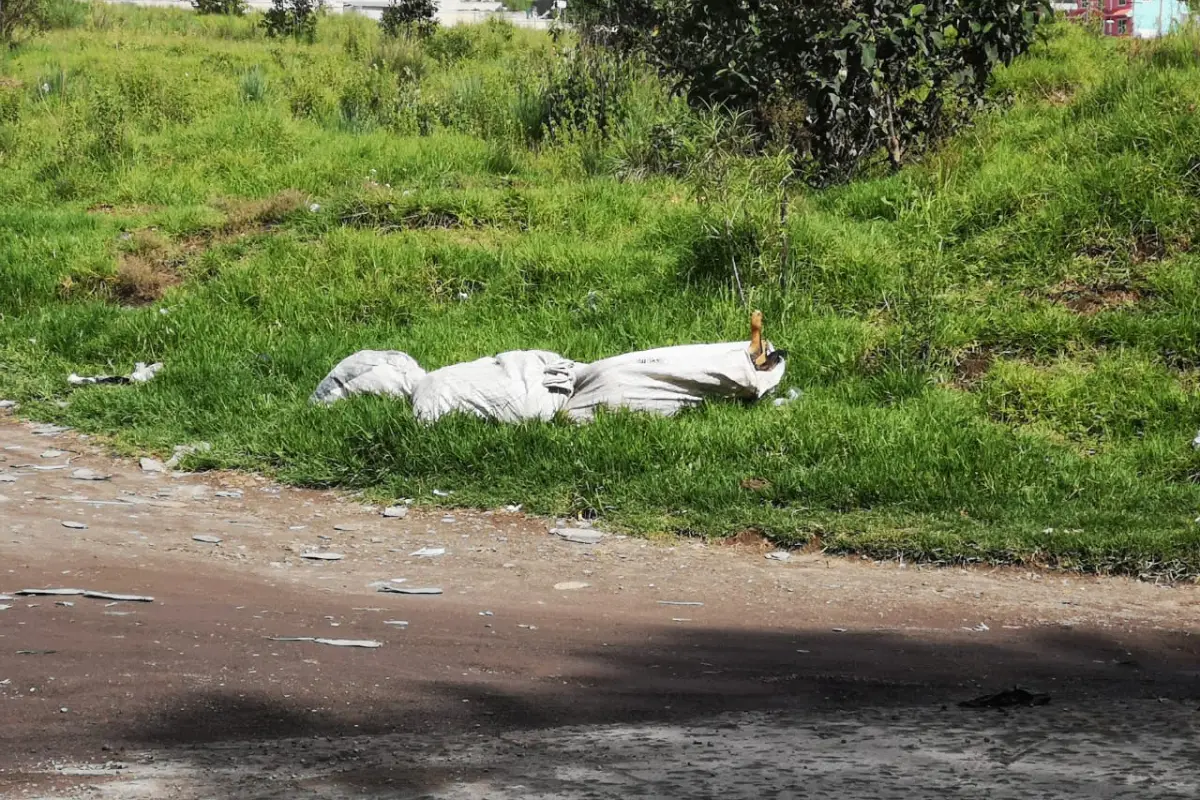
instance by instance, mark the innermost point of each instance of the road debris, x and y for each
(346, 527)
(441, 493)
(428, 552)
(399, 623)
(52, 454)
(9, 405)
(1009, 698)
(151, 465)
(513, 509)
(396, 512)
(779, 555)
(182, 451)
(7, 477)
(578, 535)
(333, 642)
(36, 652)
(85, 474)
(680, 603)
(206, 538)
(49, 430)
(235, 494)
(323, 556)
(567, 586)
(132, 598)
(70, 523)
(410, 589)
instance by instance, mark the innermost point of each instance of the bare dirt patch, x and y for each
(1090, 299)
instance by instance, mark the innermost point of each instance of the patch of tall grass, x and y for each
(998, 347)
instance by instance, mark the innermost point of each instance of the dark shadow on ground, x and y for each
(684, 676)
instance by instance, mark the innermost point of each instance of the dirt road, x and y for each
(813, 677)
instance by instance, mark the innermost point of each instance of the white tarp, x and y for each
(537, 384)
(668, 379)
(385, 372)
(511, 387)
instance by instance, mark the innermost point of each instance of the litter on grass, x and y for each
(142, 372)
(523, 385)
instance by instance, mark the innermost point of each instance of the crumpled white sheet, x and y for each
(511, 387)
(385, 372)
(525, 385)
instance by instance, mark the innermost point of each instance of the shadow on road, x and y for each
(687, 677)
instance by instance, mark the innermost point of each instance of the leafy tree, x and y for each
(231, 8)
(295, 18)
(19, 19)
(840, 81)
(409, 18)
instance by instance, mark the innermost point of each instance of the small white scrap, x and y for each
(568, 586)
(410, 589)
(206, 539)
(85, 474)
(371, 643)
(7, 477)
(151, 465)
(792, 396)
(779, 555)
(514, 508)
(345, 527)
(398, 623)
(235, 494)
(579, 536)
(428, 552)
(441, 493)
(132, 598)
(49, 430)
(396, 512)
(323, 556)
(1196, 441)
(70, 523)
(680, 603)
(52, 453)
(7, 405)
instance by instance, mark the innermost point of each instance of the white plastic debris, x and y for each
(1196, 441)
(398, 623)
(396, 512)
(779, 555)
(345, 527)
(49, 430)
(7, 477)
(84, 474)
(234, 494)
(132, 598)
(577, 535)
(441, 493)
(206, 539)
(70, 523)
(183, 450)
(142, 372)
(151, 465)
(428, 552)
(513, 509)
(6, 405)
(370, 643)
(791, 396)
(51, 453)
(381, 372)
(679, 603)
(569, 586)
(510, 387)
(323, 556)
(410, 589)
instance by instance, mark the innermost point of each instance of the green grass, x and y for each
(998, 346)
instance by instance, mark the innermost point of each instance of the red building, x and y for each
(1117, 15)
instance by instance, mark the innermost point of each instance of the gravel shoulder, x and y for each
(654, 669)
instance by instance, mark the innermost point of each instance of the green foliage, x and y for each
(20, 19)
(296, 19)
(230, 8)
(998, 346)
(838, 82)
(409, 18)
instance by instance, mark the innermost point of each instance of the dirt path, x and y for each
(811, 678)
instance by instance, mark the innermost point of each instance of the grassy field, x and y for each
(997, 346)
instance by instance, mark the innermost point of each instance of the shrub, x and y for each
(229, 8)
(409, 18)
(840, 81)
(253, 84)
(294, 18)
(20, 19)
